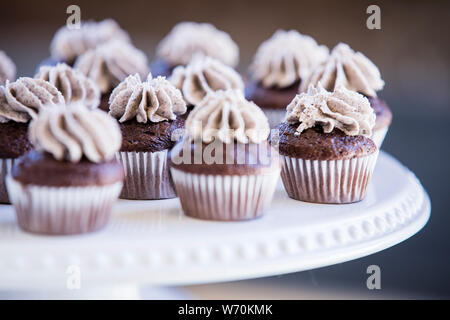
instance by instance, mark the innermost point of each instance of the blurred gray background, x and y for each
(412, 51)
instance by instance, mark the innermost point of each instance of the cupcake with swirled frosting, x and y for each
(20, 101)
(109, 64)
(204, 75)
(150, 114)
(328, 155)
(354, 71)
(278, 67)
(224, 168)
(69, 182)
(188, 39)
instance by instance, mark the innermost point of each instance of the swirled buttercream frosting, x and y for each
(343, 109)
(73, 85)
(285, 58)
(7, 68)
(154, 100)
(71, 132)
(110, 63)
(227, 116)
(345, 67)
(68, 44)
(25, 98)
(187, 39)
(204, 75)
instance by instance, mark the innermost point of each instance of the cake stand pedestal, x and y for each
(152, 243)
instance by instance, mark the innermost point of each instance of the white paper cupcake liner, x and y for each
(331, 181)
(275, 116)
(147, 176)
(224, 197)
(379, 135)
(5, 168)
(62, 210)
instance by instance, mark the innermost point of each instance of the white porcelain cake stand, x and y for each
(153, 243)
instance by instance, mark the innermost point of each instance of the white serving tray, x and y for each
(153, 243)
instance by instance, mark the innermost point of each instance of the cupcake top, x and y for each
(7, 68)
(73, 85)
(204, 75)
(189, 38)
(227, 116)
(343, 109)
(347, 68)
(71, 132)
(110, 63)
(285, 58)
(68, 44)
(154, 100)
(23, 99)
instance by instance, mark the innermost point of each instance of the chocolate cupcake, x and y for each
(109, 64)
(353, 70)
(280, 63)
(20, 101)
(224, 168)
(327, 154)
(186, 40)
(68, 44)
(70, 182)
(204, 75)
(149, 113)
(73, 85)
(7, 69)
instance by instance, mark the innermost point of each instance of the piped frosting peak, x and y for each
(343, 109)
(73, 85)
(227, 116)
(204, 75)
(110, 63)
(71, 132)
(285, 58)
(347, 68)
(187, 39)
(154, 100)
(68, 44)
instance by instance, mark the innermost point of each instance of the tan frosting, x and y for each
(73, 131)
(285, 58)
(228, 116)
(154, 100)
(73, 85)
(204, 75)
(112, 62)
(347, 68)
(23, 99)
(7, 68)
(68, 44)
(187, 39)
(343, 109)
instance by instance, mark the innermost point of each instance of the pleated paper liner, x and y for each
(331, 181)
(147, 176)
(62, 210)
(225, 197)
(5, 169)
